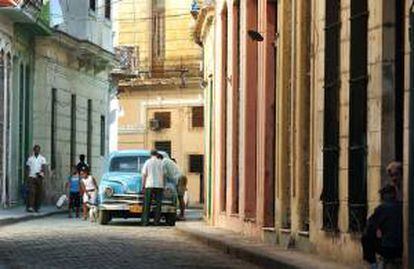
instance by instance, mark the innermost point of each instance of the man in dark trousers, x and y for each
(82, 165)
(383, 233)
(36, 168)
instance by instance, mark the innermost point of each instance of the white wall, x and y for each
(85, 24)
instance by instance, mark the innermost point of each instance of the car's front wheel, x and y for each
(170, 219)
(104, 217)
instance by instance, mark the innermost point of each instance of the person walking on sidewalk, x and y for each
(73, 185)
(395, 172)
(89, 189)
(152, 185)
(36, 168)
(383, 234)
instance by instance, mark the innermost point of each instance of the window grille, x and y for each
(21, 121)
(89, 134)
(164, 118)
(27, 117)
(197, 116)
(163, 146)
(357, 187)
(103, 135)
(330, 193)
(73, 131)
(53, 112)
(399, 78)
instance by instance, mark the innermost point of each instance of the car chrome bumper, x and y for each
(165, 208)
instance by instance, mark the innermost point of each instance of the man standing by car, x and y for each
(36, 167)
(173, 173)
(152, 185)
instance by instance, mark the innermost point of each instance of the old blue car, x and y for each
(120, 188)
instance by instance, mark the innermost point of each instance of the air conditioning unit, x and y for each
(155, 124)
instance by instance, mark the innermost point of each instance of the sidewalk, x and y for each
(17, 214)
(261, 254)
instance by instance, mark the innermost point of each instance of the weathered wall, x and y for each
(57, 67)
(138, 108)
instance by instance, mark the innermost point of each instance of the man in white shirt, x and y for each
(36, 167)
(152, 184)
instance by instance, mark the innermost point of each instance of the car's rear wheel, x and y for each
(104, 217)
(170, 219)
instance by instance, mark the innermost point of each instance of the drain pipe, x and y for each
(410, 212)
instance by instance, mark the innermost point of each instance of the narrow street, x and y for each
(59, 242)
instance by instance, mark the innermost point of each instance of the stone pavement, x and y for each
(59, 242)
(261, 254)
(17, 214)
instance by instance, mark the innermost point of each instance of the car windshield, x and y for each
(127, 164)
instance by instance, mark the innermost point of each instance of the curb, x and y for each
(14, 220)
(239, 251)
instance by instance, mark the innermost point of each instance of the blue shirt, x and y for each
(74, 183)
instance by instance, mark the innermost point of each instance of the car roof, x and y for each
(134, 152)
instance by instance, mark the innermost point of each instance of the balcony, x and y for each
(32, 15)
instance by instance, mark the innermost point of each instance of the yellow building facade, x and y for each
(160, 98)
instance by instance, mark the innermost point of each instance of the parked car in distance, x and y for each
(121, 184)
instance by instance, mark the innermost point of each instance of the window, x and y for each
(197, 116)
(27, 117)
(103, 135)
(73, 131)
(108, 9)
(163, 146)
(164, 119)
(158, 28)
(89, 134)
(127, 164)
(53, 129)
(330, 192)
(399, 78)
(21, 120)
(195, 164)
(92, 5)
(357, 176)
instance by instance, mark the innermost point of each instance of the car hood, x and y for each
(123, 182)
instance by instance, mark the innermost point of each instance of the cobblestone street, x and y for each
(59, 242)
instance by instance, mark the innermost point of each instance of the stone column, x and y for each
(283, 88)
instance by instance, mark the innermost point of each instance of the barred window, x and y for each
(73, 131)
(89, 134)
(103, 135)
(330, 192)
(357, 187)
(53, 129)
